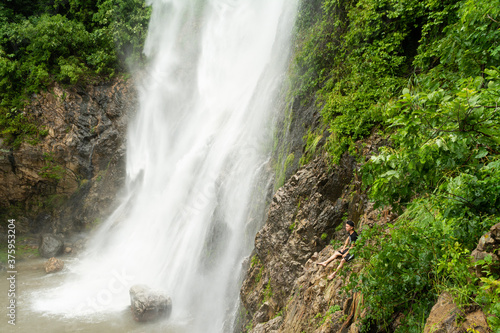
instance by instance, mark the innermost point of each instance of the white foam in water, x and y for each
(197, 147)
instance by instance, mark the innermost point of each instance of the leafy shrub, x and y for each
(439, 135)
(470, 43)
(126, 22)
(442, 171)
(488, 295)
(51, 170)
(423, 73)
(71, 42)
(358, 55)
(398, 275)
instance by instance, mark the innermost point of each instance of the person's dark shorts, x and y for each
(349, 257)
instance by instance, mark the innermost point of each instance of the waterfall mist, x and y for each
(198, 166)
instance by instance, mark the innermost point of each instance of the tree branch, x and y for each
(491, 18)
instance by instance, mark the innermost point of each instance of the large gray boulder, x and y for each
(50, 245)
(149, 305)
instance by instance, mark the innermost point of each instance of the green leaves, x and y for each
(443, 171)
(423, 72)
(470, 42)
(399, 269)
(438, 135)
(126, 21)
(69, 42)
(355, 57)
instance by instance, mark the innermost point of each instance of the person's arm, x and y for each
(347, 252)
(346, 243)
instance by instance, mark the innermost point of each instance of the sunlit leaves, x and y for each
(471, 43)
(438, 135)
(443, 167)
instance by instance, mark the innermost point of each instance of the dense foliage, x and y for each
(422, 74)
(444, 168)
(66, 41)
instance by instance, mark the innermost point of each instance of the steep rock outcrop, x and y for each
(446, 317)
(68, 179)
(282, 282)
(309, 205)
(284, 290)
(488, 245)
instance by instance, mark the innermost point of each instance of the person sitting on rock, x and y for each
(344, 252)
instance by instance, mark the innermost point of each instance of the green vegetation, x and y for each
(268, 292)
(279, 314)
(249, 326)
(422, 74)
(93, 225)
(489, 294)
(327, 315)
(355, 56)
(259, 274)
(443, 171)
(336, 243)
(312, 140)
(51, 202)
(254, 261)
(51, 170)
(446, 141)
(281, 167)
(65, 41)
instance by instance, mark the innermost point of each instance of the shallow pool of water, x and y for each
(31, 280)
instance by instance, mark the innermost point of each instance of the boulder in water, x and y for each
(53, 265)
(149, 305)
(50, 245)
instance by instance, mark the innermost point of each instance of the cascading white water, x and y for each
(197, 150)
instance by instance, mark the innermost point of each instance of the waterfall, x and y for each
(198, 154)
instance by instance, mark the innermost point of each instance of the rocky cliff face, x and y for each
(284, 290)
(68, 180)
